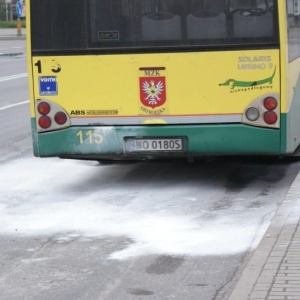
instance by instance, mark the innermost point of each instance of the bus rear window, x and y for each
(151, 24)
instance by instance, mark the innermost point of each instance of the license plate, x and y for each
(153, 145)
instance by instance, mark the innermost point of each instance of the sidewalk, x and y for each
(273, 273)
(12, 34)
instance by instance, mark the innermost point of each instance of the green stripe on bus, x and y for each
(93, 141)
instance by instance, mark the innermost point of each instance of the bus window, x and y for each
(251, 18)
(249, 4)
(206, 25)
(262, 5)
(207, 20)
(214, 5)
(161, 25)
(58, 24)
(108, 22)
(131, 25)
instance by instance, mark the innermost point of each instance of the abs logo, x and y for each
(48, 85)
(77, 112)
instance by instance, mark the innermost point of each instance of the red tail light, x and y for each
(44, 122)
(270, 117)
(270, 103)
(60, 118)
(264, 111)
(50, 116)
(43, 108)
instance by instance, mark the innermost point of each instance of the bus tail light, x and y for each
(50, 116)
(43, 108)
(270, 117)
(60, 118)
(44, 122)
(270, 103)
(263, 111)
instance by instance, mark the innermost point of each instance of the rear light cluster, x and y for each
(270, 116)
(50, 116)
(264, 112)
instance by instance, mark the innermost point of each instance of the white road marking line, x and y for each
(11, 77)
(13, 105)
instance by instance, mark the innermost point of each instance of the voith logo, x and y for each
(153, 91)
(48, 85)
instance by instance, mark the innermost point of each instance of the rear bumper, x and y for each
(97, 142)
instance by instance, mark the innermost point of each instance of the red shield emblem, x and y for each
(153, 91)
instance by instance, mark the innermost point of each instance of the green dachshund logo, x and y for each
(236, 83)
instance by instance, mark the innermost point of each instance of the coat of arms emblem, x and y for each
(153, 91)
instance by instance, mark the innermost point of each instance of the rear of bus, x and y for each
(131, 79)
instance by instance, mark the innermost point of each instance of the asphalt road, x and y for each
(14, 106)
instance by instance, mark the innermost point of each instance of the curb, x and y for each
(12, 37)
(11, 54)
(260, 275)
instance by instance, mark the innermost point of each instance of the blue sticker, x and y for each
(48, 85)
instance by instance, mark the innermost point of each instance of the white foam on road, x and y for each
(70, 199)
